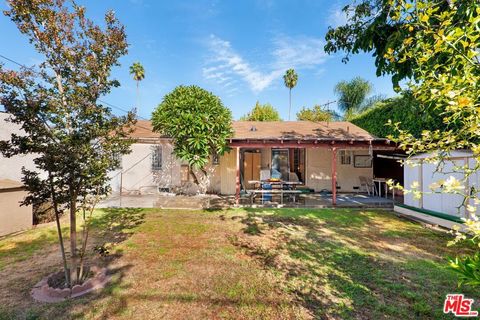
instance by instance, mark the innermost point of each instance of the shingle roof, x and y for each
(285, 130)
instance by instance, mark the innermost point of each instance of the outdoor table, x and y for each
(380, 181)
(258, 188)
(258, 183)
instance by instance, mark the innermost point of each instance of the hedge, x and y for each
(403, 109)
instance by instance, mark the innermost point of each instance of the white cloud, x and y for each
(337, 17)
(225, 64)
(300, 52)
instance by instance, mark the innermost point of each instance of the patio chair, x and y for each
(367, 185)
(266, 196)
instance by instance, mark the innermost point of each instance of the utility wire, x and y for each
(102, 101)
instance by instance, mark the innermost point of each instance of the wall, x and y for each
(11, 168)
(14, 217)
(137, 176)
(425, 174)
(319, 171)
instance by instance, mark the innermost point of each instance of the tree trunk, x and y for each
(59, 231)
(73, 242)
(138, 99)
(290, 102)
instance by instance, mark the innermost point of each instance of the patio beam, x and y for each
(334, 176)
(310, 144)
(237, 180)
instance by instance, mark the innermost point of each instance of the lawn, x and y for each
(242, 264)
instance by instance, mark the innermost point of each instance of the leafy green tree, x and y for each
(138, 73)
(198, 123)
(317, 113)
(403, 109)
(435, 44)
(262, 112)
(73, 136)
(290, 79)
(352, 95)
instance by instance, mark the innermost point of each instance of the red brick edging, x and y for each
(44, 293)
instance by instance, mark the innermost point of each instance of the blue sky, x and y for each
(239, 50)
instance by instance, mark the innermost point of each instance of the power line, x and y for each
(100, 100)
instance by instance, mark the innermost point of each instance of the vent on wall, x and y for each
(253, 128)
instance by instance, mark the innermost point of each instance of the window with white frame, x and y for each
(345, 157)
(157, 158)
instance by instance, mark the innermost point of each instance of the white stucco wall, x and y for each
(136, 174)
(425, 174)
(11, 168)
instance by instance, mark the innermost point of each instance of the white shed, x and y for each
(425, 173)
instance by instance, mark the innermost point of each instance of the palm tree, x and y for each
(352, 95)
(138, 73)
(290, 78)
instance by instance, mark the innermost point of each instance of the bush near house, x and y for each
(404, 109)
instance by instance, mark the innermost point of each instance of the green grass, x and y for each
(356, 264)
(242, 264)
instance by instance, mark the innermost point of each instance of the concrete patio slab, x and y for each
(313, 200)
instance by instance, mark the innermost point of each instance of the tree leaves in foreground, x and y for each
(262, 112)
(198, 123)
(74, 137)
(435, 44)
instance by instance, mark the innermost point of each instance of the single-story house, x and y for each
(323, 156)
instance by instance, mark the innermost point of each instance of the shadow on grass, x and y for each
(111, 227)
(340, 263)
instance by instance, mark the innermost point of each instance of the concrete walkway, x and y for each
(166, 201)
(314, 200)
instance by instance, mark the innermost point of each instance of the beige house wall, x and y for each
(318, 170)
(138, 176)
(14, 217)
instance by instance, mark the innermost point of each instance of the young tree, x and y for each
(138, 73)
(262, 112)
(73, 136)
(290, 79)
(434, 43)
(352, 95)
(197, 122)
(316, 114)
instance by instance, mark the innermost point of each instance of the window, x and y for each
(215, 159)
(157, 158)
(345, 157)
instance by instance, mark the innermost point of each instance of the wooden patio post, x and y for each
(237, 180)
(334, 176)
